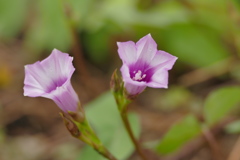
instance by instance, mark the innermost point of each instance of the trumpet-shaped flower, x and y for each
(50, 78)
(144, 65)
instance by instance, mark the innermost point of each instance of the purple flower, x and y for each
(144, 65)
(50, 78)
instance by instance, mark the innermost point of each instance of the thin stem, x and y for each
(77, 52)
(212, 143)
(104, 152)
(234, 155)
(96, 143)
(130, 133)
(98, 147)
(76, 45)
(79, 127)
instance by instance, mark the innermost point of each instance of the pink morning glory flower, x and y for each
(50, 78)
(144, 65)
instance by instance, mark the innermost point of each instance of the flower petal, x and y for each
(127, 52)
(125, 72)
(159, 79)
(65, 97)
(32, 88)
(132, 87)
(46, 75)
(58, 67)
(146, 48)
(146, 67)
(35, 80)
(163, 59)
(50, 78)
(161, 63)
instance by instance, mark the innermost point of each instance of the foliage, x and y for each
(217, 105)
(104, 116)
(200, 33)
(220, 102)
(179, 134)
(233, 127)
(10, 24)
(190, 32)
(51, 29)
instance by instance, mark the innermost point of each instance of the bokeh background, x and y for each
(203, 34)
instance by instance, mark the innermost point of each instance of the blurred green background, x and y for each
(203, 34)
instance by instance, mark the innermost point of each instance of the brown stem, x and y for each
(234, 155)
(76, 45)
(130, 133)
(77, 53)
(213, 144)
(206, 73)
(190, 150)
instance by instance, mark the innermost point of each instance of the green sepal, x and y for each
(70, 125)
(78, 116)
(117, 87)
(80, 129)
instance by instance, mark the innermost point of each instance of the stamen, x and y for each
(138, 76)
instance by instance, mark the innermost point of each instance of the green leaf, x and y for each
(12, 17)
(88, 152)
(193, 45)
(2, 135)
(105, 119)
(179, 134)
(162, 15)
(236, 3)
(51, 28)
(79, 11)
(233, 127)
(218, 19)
(173, 98)
(100, 40)
(220, 102)
(123, 12)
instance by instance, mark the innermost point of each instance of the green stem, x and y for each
(104, 152)
(88, 136)
(131, 135)
(99, 148)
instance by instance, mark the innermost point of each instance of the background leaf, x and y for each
(220, 102)
(105, 119)
(51, 29)
(233, 127)
(193, 44)
(9, 24)
(179, 134)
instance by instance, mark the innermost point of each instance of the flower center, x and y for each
(138, 76)
(56, 84)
